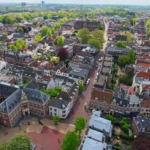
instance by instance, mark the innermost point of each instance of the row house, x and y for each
(63, 103)
(110, 103)
(145, 108)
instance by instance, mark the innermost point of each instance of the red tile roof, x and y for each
(145, 75)
(102, 95)
(145, 103)
(144, 65)
(145, 87)
(131, 91)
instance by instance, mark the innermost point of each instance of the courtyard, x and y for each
(47, 136)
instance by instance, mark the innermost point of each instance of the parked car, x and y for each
(100, 59)
(87, 82)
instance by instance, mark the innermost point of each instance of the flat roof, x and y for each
(106, 70)
(101, 80)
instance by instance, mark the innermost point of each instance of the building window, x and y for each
(55, 114)
(54, 109)
(63, 111)
(63, 115)
(50, 108)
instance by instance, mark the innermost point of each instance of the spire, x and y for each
(20, 81)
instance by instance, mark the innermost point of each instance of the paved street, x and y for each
(78, 109)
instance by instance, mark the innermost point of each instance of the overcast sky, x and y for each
(133, 2)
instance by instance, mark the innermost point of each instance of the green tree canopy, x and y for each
(99, 35)
(70, 141)
(111, 118)
(123, 124)
(121, 44)
(84, 35)
(123, 60)
(38, 37)
(44, 30)
(49, 33)
(128, 34)
(59, 40)
(5, 34)
(102, 27)
(20, 43)
(81, 87)
(56, 119)
(95, 43)
(20, 142)
(79, 124)
(20, 30)
(45, 17)
(131, 56)
(5, 146)
(12, 46)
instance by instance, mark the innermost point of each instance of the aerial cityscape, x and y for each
(75, 75)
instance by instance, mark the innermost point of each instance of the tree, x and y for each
(133, 21)
(5, 34)
(70, 141)
(111, 86)
(111, 118)
(123, 124)
(29, 28)
(4, 146)
(59, 40)
(20, 142)
(81, 87)
(79, 124)
(131, 56)
(102, 27)
(38, 37)
(35, 23)
(18, 46)
(44, 30)
(56, 119)
(125, 80)
(62, 54)
(45, 17)
(123, 60)
(99, 35)
(128, 34)
(12, 46)
(49, 33)
(95, 43)
(121, 44)
(84, 35)
(20, 30)
(20, 43)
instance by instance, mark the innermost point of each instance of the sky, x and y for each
(130, 2)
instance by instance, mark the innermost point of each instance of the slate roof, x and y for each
(59, 103)
(143, 124)
(18, 35)
(119, 92)
(90, 144)
(32, 85)
(121, 102)
(79, 72)
(7, 89)
(121, 38)
(100, 124)
(15, 98)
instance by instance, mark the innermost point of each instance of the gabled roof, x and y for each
(32, 85)
(145, 75)
(59, 103)
(101, 95)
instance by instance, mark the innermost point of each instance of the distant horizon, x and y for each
(83, 2)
